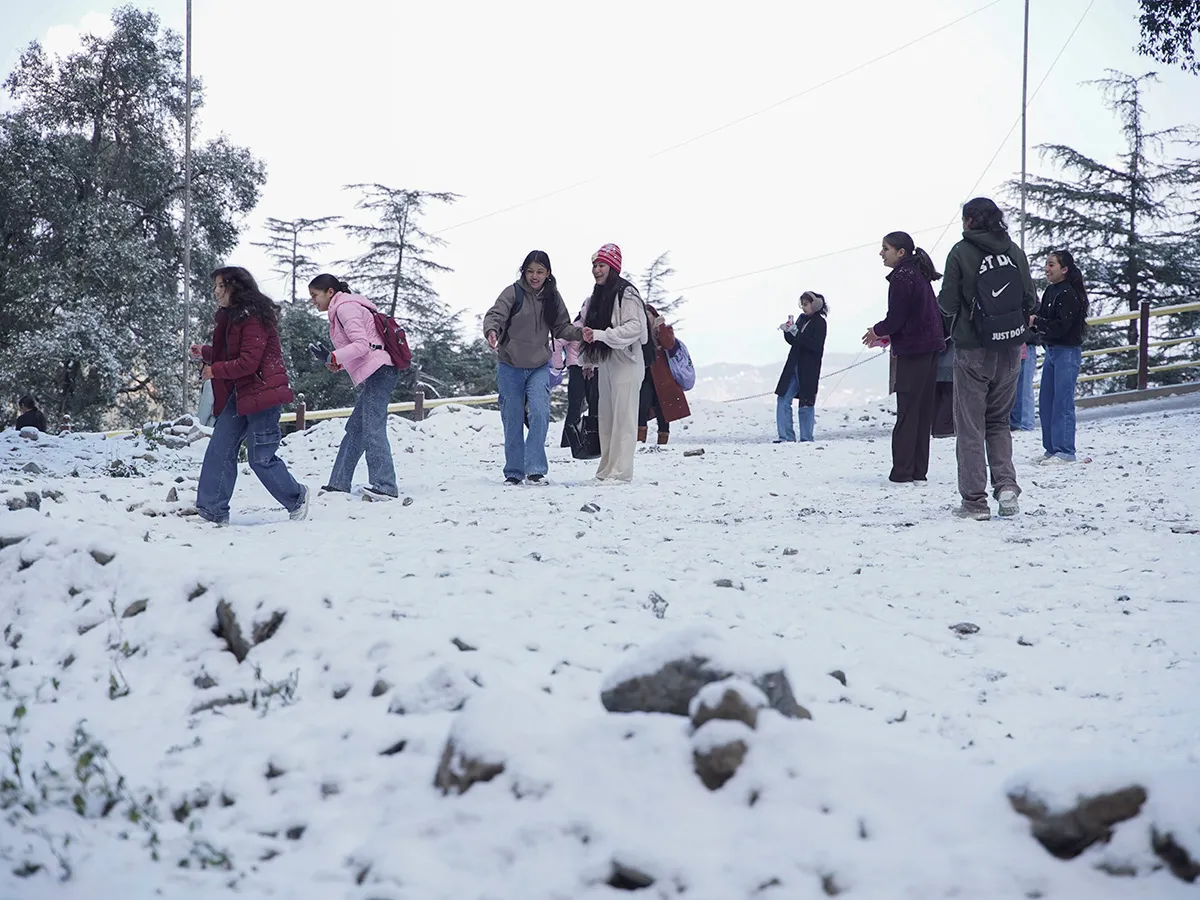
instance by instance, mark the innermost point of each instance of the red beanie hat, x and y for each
(610, 255)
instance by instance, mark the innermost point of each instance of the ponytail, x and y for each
(326, 282)
(902, 240)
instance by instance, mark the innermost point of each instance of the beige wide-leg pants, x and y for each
(620, 388)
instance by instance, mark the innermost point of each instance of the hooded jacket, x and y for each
(357, 344)
(525, 341)
(246, 357)
(957, 296)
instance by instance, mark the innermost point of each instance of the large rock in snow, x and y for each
(666, 675)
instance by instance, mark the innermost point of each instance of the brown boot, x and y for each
(663, 437)
(642, 433)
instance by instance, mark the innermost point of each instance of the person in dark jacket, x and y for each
(250, 386)
(1060, 321)
(802, 371)
(985, 378)
(520, 327)
(28, 415)
(914, 325)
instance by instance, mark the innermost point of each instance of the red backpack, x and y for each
(395, 341)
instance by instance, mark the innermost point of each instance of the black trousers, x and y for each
(648, 403)
(580, 390)
(916, 379)
(943, 409)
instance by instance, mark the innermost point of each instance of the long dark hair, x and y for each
(902, 240)
(984, 215)
(327, 282)
(245, 298)
(600, 313)
(815, 298)
(549, 286)
(1074, 277)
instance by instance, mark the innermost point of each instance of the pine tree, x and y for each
(395, 267)
(91, 239)
(1128, 227)
(653, 286)
(288, 245)
(1168, 29)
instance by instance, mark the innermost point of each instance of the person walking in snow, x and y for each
(1060, 320)
(614, 330)
(914, 326)
(250, 386)
(987, 353)
(802, 372)
(358, 349)
(660, 395)
(519, 327)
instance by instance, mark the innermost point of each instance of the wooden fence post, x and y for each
(301, 409)
(1143, 375)
(419, 403)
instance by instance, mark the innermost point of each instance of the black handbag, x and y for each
(584, 438)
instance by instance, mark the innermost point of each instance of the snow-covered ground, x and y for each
(496, 616)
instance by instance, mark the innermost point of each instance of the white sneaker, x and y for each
(1008, 504)
(979, 515)
(1053, 461)
(301, 513)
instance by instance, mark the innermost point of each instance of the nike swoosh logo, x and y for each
(1001, 291)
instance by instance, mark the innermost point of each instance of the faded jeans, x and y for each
(218, 474)
(519, 388)
(985, 385)
(1023, 405)
(366, 434)
(1060, 373)
(783, 410)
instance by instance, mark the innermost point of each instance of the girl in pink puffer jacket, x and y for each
(358, 349)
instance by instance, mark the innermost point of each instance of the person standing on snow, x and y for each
(802, 372)
(614, 330)
(914, 325)
(250, 386)
(358, 349)
(660, 395)
(987, 294)
(1061, 319)
(519, 327)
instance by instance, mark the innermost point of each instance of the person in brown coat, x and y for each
(661, 395)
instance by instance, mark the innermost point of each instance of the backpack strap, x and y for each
(518, 301)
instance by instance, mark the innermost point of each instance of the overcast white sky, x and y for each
(503, 102)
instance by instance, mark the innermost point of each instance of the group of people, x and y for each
(624, 363)
(621, 359)
(987, 310)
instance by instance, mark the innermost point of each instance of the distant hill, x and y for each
(864, 383)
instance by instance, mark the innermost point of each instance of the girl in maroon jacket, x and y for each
(250, 386)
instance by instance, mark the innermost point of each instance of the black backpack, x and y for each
(998, 311)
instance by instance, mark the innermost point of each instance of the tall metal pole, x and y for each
(187, 206)
(1024, 109)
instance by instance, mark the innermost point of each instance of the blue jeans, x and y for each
(807, 416)
(1021, 416)
(1056, 405)
(366, 432)
(783, 410)
(218, 474)
(519, 388)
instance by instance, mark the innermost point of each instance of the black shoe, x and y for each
(536, 479)
(512, 480)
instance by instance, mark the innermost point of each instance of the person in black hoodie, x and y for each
(29, 416)
(1060, 321)
(802, 371)
(985, 377)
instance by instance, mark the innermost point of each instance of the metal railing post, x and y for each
(1143, 375)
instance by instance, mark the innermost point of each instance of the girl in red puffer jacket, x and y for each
(250, 386)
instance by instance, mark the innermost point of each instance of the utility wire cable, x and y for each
(540, 197)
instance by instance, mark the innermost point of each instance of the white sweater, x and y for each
(628, 331)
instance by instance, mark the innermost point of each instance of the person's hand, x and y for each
(206, 373)
(589, 371)
(492, 339)
(589, 335)
(870, 339)
(1031, 318)
(196, 351)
